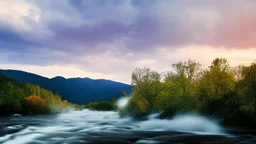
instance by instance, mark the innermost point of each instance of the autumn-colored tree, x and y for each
(13, 93)
(36, 105)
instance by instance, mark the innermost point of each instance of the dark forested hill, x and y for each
(76, 90)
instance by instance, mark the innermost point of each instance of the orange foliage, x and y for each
(36, 104)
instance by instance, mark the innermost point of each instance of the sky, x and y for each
(109, 39)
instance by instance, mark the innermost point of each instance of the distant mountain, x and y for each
(76, 90)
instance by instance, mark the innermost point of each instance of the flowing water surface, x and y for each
(108, 127)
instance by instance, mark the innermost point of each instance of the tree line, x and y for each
(102, 105)
(25, 98)
(219, 91)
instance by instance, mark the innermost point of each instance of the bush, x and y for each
(138, 107)
(36, 105)
(102, 106)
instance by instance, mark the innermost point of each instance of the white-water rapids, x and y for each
(106, 127)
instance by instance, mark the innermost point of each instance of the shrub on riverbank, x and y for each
(35, 105)
(102, 105)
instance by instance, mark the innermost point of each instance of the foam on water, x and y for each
(62, 126)
(23, 139)
(185, 123)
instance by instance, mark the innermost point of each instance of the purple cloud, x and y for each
(74, 31)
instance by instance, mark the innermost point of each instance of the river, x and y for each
(108, 127)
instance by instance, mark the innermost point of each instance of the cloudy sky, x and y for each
(108, 39)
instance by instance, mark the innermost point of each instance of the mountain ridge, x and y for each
(77, 90)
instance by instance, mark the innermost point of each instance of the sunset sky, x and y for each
(108, 39)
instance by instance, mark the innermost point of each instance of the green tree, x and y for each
(12, 95)
(249, 81)
(148, 85)
(220, 76)
(218, 80)
(185, 75)
(216, 87)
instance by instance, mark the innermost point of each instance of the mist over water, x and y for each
(184, 123)
(122, 102)
(88, 126)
